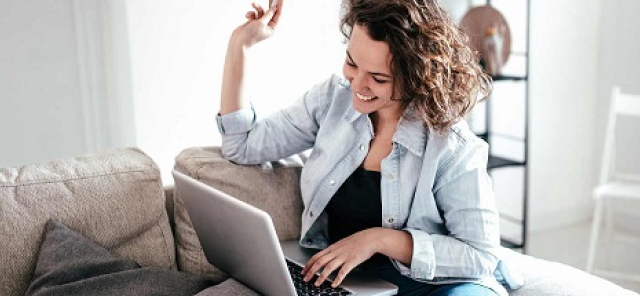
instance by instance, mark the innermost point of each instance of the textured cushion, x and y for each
(229, 287)
(273, 187)
(70, 264)
(114, 198)
(546, 278)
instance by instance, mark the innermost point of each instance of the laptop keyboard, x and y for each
(309, 288)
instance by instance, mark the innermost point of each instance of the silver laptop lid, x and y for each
(254, 258)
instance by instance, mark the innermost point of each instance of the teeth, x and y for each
(363, 97)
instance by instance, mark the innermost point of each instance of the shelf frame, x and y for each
(498, 162)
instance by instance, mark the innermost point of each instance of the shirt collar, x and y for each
(351, 114)
(412, 135)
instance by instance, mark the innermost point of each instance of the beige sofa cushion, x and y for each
(114, 198)
(273, 187)
(547, 278)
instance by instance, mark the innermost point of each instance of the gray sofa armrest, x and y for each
(113, 198)
(273, 187)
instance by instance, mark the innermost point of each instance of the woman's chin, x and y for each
(365, 107)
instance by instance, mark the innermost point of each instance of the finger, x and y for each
(277, 11)
(276, 16)
(319, 264)
(328, 269)
(307, 266)
(259, 9)
(347, 267)
(269, 18)
(251, 15)
(315, 267)
(313, 260)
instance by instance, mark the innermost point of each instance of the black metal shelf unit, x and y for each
(496, 162)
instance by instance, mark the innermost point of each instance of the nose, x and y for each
(358, 82)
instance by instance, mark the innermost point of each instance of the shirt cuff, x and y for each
(423, 260)
(236, 122)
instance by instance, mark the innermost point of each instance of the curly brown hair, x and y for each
(437, 75)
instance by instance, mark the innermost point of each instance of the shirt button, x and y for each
(311, 214)
(332, 182)
(361, 147)
(391, 220)
(389, 176)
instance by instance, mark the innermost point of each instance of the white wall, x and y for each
(619, 60)
(64, 79)
(564, 86)
(177, 53)
(39, 87)
(580, 49)
(619, 64)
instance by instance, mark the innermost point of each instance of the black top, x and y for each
(356, 205)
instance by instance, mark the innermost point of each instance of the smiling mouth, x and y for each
(365, 98)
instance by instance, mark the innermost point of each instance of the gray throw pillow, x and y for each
(70, 264)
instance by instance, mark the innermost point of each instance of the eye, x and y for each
(351, 64)
(379, 80)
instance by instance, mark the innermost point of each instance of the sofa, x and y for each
(116, 199)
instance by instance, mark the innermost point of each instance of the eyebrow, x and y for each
(372, 73)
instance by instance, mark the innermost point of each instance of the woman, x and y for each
(396, 182)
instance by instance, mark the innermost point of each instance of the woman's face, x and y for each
(367, 67)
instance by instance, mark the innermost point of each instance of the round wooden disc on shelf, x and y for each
(478, 21)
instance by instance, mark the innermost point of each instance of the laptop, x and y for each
(241, 240)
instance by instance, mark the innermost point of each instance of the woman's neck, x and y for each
(384, 121)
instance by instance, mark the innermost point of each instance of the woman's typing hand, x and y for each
(344, 255)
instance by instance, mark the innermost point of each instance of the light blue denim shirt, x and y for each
(434, 185)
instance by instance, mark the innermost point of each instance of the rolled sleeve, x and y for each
(236, 122)
(423, 260)
(247, 139)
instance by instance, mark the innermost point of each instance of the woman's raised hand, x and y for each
(260, 25)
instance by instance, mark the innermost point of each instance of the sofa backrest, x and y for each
(114, 198)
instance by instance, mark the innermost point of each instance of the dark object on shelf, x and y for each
(511, 245)
(500, 162)
(509, 77)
